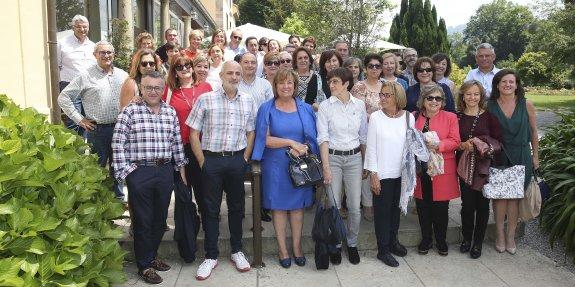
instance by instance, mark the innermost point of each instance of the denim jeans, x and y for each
(101, 141)
(69, 123)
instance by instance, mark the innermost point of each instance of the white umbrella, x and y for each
(384, 45)
(259, 31)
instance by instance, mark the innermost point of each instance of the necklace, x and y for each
(391, 116)
(185, 97)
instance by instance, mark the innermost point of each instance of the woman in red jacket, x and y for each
(432, 194)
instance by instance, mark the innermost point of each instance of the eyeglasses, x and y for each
(421, 70)
(180, 68)
(272, 63)
(432, 98)
(145, 64)
(238, 37)
(284, 61)
(105, 53)
(374, 66)
(334, 81)
(149, 89)
(263, 44)
(385, 95)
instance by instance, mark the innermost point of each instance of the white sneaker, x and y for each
(240, 261)
(205, 269)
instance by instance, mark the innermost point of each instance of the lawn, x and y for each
(552, 99)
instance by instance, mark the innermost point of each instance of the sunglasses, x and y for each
(238, 37)
(272, 63)
(180, 68)
(145, 64)
(284, 61)
(432, 98)
(374, 66)
(429, 70)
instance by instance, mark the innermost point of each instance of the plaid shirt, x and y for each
(223, 122)
(141, 135)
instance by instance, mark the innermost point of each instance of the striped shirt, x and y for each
(99, 92)
(141, 135)
(260, 89)
(223, 122)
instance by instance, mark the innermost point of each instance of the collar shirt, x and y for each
(230, 53)
(99, 92)
(142, 135)
(260, 89)
(343, 126)
(74, 57)
(408, 73)
(260, 67)
(485, 79)
(223, 122)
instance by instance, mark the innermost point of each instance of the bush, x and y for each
(123, 48)
(56, 207)
(458, 74)
(534, 68)
(557, 153)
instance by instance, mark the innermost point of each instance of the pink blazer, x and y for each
(446, 125)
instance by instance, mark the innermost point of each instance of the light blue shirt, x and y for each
(484, 78)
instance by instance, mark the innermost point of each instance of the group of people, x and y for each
(383, 133)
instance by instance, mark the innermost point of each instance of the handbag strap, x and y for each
(475, 120)
(332, 196)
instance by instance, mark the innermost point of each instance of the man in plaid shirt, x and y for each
(146, 139)
(226, 119)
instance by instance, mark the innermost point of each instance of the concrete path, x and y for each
(526, 268)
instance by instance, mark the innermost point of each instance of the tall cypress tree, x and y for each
(442, 40)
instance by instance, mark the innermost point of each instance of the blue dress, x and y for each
(278, 190)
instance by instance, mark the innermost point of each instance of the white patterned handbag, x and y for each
(505, 183)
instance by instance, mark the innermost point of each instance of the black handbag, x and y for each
(305, 170)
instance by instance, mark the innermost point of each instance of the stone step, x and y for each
(409, 232)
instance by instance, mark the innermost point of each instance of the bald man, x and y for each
(226, 119)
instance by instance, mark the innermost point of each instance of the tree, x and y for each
(66, 10)
(533, 68)
(503, 24)
(278, 13)
(294, 25)
(253, 11)
(458, 47)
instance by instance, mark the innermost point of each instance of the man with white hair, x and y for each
(98, 87)
(234, 47)
(75, 55)
(484, 57)
(409, 58)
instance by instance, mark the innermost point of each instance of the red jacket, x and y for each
(446, 125)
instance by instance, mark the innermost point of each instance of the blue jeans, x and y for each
(101, 141)
(69, 123)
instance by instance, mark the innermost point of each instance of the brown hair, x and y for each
(282, 75)
(141, 37)
(418, 65)
(389, 55)
(398, 93)
(294, 57)
(173, 82)
(137, 59)
(461, 93)
(216, 32)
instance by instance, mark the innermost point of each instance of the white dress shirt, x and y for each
(74, 57)
(485, 79)
(260, 89)
(343, 126)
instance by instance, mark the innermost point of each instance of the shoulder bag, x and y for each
(530, 205)
(505, 183)
(466, 164)
(305, 170)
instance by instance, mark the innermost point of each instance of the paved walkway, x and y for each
(526, 268)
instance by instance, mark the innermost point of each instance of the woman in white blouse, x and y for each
(386, 139)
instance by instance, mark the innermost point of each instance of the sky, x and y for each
(456, 12)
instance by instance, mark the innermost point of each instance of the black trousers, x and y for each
(150, 192)
(433, 215)
(386, 213)
(474, 214)
(221, 174)
(194, 177)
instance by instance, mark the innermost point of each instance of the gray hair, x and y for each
(103, 43)
(428, 90)
(79, 18)
(288, 46)
(351, 60)
(484, 46)
(407, 50)
(285, 53)
(340, 42)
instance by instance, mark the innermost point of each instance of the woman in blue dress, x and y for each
(285, 123)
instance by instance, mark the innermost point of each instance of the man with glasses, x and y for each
(75, 55)
(99, 90)
(146, 138)
(486, 70)
(260, 89)
(171, 36)
(234, 47)
(409, 58)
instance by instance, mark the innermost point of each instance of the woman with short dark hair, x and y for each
(443, 70)
(424, 73)
(310, 85)
(328, 61)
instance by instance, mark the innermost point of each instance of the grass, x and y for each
(552, 99)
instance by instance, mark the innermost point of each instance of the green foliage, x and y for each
(503, 24)
(458, 74)
(416, 26)
(557, 153)
(66, 10)
(533, 68)
(122, 46)
(293, 25)
(253, 11)
(266, 13)
(56, 207)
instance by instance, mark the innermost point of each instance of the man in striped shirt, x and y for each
(226, 119)
(146, 139)
(260, 89)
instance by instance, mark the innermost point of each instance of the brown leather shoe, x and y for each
(160, 265)
(150, 276)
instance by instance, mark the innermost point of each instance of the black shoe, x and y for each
(424, 247)
(475, 252)
(285, 263)
(397, 249)
(160, 265)
(335, 258)
(388, 259)
(150, 276)
(266, 215)
(442, 248)
(352, 255)
(465, 246)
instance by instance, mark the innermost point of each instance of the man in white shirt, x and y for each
(75, 56)
(233, 47)
(260, 89)
(484, 57)
(252, 47)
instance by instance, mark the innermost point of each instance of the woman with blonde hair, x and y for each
(219, 38)
(271, 66)
(216, 57)
(144, 61)
(145, 40)
(195, 38)
(391, 70)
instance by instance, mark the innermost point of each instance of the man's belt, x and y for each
(345, 152)
(223, 153)
(154, 162)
